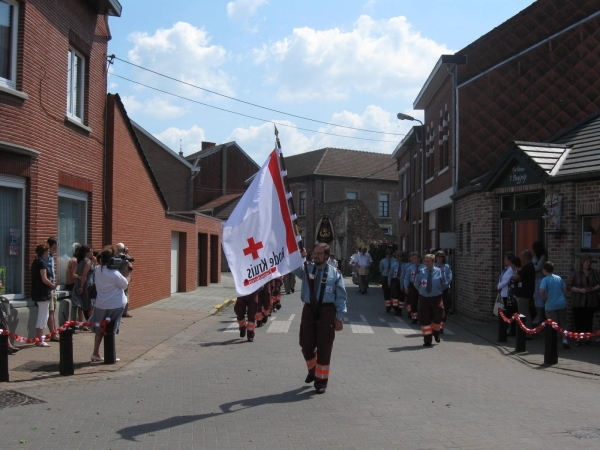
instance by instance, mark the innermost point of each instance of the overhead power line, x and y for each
(112, 57)
(246, 115)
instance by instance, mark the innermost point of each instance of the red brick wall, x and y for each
(138, 220)
(39, 122)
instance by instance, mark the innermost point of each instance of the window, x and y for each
(75, 84)
(529, 200)
(387, 229)
(384, 205)
(590, 233)
(445, 141)
(351, 195)
(302, 203)
(12, 220)
(9, 13)
(469, 231)
(72, 227)
(404, 185)
(429, 149)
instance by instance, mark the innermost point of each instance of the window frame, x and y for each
(18, 183)
(11, 82)
(302, 203)
(78, 195)
(352, 192)
(389, 199)
(73, 53)
(588, 249)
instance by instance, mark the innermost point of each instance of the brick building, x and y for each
(72, 166)
(526, 80)
(503, 210)
(335, 181)
(224, 169)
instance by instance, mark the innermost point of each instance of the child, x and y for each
(554, 290)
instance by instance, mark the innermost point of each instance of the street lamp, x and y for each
(402, 116)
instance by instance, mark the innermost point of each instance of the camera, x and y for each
(120, 263)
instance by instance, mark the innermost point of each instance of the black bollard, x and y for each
(520, 346)
(110, 354)
(66, 366)
(4, 358)
(502, 326)
(551, 346)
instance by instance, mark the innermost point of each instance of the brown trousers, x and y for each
(387, 292)
(413, 301)
(247, 304)
(431, 310)
(316, 341)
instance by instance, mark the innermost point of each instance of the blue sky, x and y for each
(348, 62)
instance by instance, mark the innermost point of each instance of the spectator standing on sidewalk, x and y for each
(41, 289)
(525, 286)
(539, 259)
(503, 287)
(554, 292)
(110, 299)
(123, 252)
(584, 285)
(80, 298)
(53, 304)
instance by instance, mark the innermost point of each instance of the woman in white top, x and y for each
(110, 297)
(510, 306)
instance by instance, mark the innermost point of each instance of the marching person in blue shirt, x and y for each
(385, 268)
(324, 296)
(440, 263)
(430, 282)
(412, 295)
(395, 280)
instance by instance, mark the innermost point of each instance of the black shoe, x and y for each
(588, 342)
(287, 293)
(437, 339)
(250, 339)
(320, 390)
(264, 319)
(292, 291)
(243, 332)
(441, 331)
(259, 324)
(426, 344)
(413, 321)
(578, 343)
(309, 378)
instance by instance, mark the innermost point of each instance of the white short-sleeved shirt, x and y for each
(110, 287)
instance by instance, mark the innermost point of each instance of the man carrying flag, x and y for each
(324, 296)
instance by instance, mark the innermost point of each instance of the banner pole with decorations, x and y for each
(260, 238)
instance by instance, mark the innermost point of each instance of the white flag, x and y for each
(258, 238)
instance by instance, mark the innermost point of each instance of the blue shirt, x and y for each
(553, 286)
(438, 282)
(50, 265)
(385, 266)
(397, 271)
(411, 272)
(447, 271)
(335, 291)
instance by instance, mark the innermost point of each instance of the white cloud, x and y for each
(243, 9)
(382, 57)
(258, 141)
(162, 109)
(131, 104)
(183, 52)
(191, 139)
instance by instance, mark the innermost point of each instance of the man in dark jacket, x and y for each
(525, 286)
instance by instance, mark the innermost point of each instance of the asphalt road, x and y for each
(206, 388)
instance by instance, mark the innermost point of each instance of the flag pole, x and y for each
(287, 187)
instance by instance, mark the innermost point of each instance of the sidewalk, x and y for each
(150, 326)
(584, 359)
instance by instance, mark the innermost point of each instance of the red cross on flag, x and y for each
(258, 238)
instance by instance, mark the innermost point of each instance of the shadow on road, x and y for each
(296, 395)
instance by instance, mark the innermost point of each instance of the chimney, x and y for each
(206, 145)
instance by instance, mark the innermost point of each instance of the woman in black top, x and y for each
(41, 289)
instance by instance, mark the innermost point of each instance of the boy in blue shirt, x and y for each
(554, 290)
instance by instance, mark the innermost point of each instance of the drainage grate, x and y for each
(9, 399)
(586, 433)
